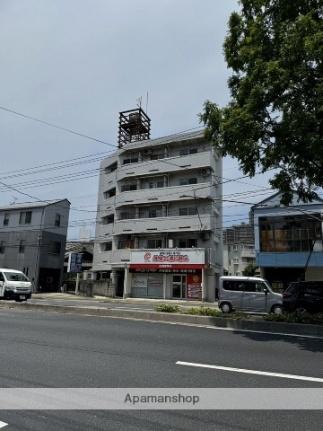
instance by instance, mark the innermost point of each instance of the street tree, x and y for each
(274, 120)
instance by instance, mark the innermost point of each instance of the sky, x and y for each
(77, 63)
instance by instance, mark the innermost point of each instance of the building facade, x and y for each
(288, 240)
(238, 249)
(158, 231)
(32, 240)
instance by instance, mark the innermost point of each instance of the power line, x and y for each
(55, 126)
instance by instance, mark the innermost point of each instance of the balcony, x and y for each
(165, 194)
(248, 252)
(164, 224)
(170, 164)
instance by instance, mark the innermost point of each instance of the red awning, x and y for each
(166, 266)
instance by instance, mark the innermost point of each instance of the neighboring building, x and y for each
(83, 247)
(238, 249)
(288, 240)
(32, 239)
(158, 231)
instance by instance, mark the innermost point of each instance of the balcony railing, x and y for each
(165, 194)
(170, 164)
(164, 224)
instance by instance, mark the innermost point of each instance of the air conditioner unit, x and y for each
(205, 172)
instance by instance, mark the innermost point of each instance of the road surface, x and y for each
(41, 349)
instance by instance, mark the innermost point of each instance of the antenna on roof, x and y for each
(139, 102)
(147, 103)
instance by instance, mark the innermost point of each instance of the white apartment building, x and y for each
(159, 222)
(238, 249)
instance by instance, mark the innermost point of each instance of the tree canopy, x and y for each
(274, 119)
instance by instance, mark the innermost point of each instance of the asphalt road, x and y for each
(56, 350)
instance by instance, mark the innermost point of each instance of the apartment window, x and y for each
(108, 219)
(6, 219)
(111, 168)
(155, 212)
(126, 243)
(187, 181)
(150, 212)
(57, 220)
(25, 217)
(131, 159)
(22, 246)
(157, 156)
(124, 215)
(156, 184)
(128, 187)
(187, 243)
(187, 211)
(2, 247)
(109, 193)
(155, 243)
(186, 151)
(106, 246)
(55, 247)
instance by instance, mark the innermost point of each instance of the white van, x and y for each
(252, 294)
(14, 285)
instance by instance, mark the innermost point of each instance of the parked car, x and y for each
(304, 296)
(252, 294)
(14, 285)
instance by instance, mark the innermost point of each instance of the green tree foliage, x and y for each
(275, 116)
(250, 270)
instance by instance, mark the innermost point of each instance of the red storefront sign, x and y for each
(164, 266)
(167, 259)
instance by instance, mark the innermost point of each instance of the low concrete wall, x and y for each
(277, 328)
(95, 287)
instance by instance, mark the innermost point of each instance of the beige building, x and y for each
(158, 230)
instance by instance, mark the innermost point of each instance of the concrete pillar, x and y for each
(204, 292)
(127, 283)
(113, 278)
(164, 285)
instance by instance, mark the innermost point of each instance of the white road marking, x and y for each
(3, 424)
(245, 371)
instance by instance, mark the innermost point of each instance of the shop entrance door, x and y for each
(179, 286)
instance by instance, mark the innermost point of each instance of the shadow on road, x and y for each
(309, 344)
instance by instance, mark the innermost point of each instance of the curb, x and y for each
(249, 325)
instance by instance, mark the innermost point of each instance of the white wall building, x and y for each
(238, 249)
(158, 231)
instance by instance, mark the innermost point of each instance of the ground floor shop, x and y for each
(280, 278)
(163, 284)
(181, 274)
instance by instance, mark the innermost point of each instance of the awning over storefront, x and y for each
(140, 266)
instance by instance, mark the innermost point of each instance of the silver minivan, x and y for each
(252, 294)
